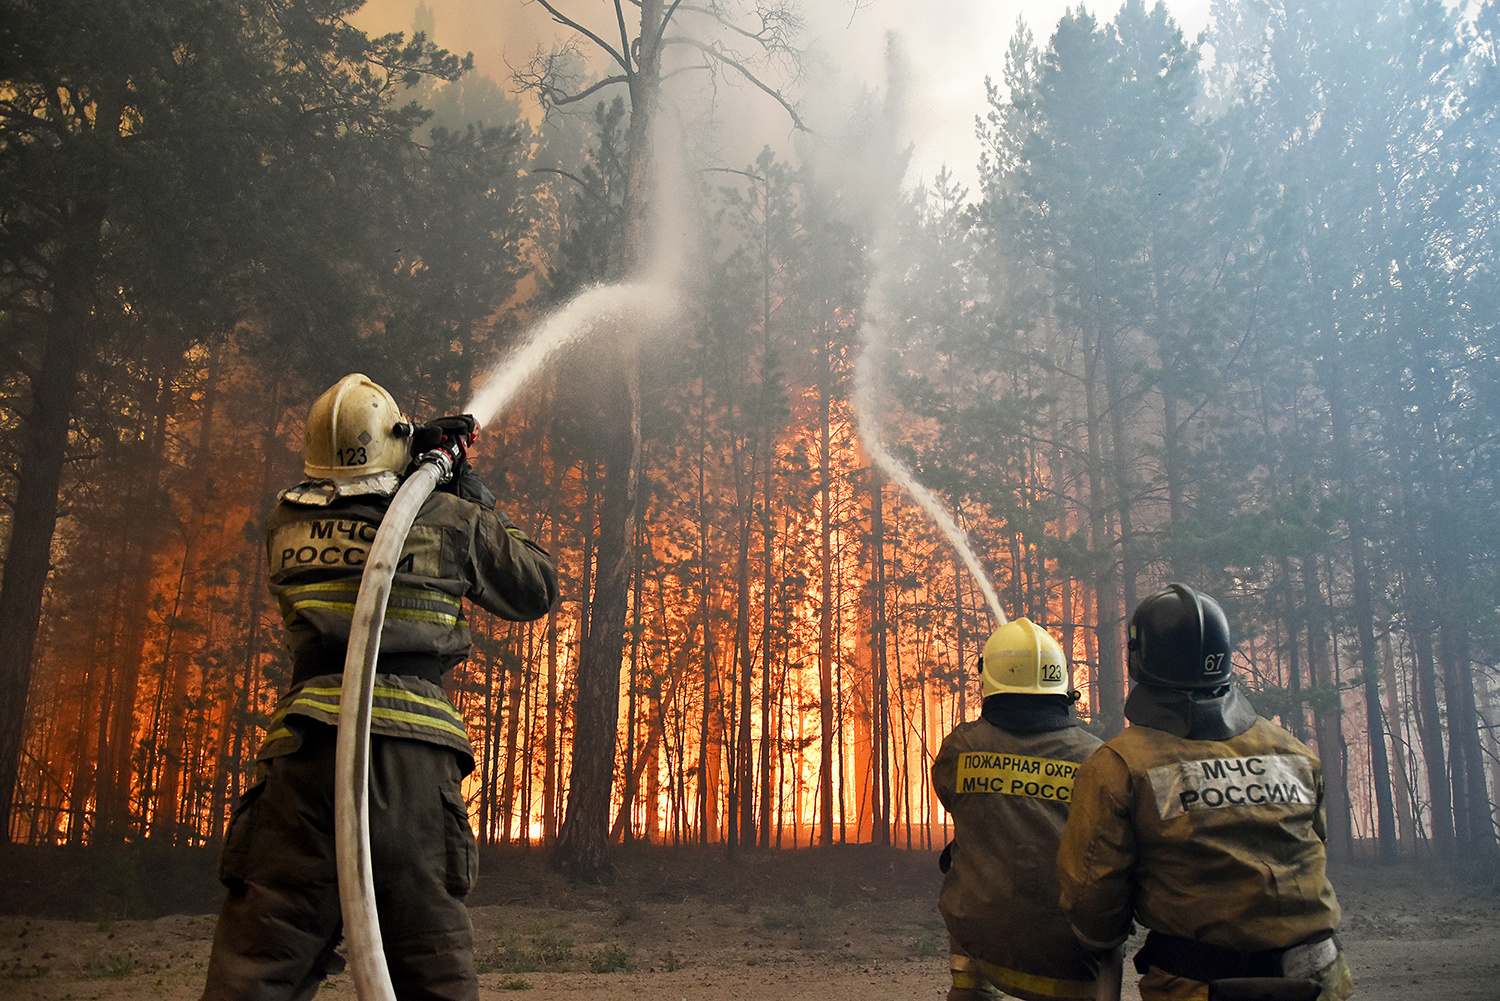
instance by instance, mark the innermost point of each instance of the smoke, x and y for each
(624, 312)
(869, 389)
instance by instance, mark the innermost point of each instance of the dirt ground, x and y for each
(690, 924)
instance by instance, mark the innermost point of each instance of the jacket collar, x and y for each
(1194, 714)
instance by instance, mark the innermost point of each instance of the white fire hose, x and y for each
(372, 978)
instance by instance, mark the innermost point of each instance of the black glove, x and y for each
(452, 434)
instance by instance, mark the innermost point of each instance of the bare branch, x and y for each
(548, 75)
(624, 41)
(589, 90)
(661, 29)
(778, 23)
(568, 22)
(744, 71)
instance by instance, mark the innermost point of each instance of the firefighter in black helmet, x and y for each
(1006, 779)
(1205, 823)
(280, 921)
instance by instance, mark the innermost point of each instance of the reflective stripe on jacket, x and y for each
(1008, 794)
(456, 549)
(403, 706)
(1217, 841)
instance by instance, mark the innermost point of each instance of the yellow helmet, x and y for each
(351, 431)
(1021, 657)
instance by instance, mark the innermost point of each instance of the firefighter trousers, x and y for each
(281, 921)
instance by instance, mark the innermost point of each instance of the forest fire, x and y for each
(1130, 359)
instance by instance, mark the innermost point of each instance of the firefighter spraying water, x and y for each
(371, 558)
(371, 537)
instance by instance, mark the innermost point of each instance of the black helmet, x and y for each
(1180, 639)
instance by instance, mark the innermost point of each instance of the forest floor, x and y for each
(844, 922)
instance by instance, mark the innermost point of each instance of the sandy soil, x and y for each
(846, 922)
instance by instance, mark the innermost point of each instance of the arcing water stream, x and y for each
(867, 394)
(882, 176)
(628, 310)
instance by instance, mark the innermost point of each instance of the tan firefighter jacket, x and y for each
(456, 549)
(1008, 794)
(1219, 841)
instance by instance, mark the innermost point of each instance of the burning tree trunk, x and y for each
(825, 621)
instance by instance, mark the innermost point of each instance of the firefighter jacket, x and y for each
(317, 543)
(1220, 841)
(1008, 792)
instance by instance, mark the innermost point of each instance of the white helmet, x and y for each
(1022, 657)
(351, 432)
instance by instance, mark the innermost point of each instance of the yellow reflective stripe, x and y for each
(408, 717)
(400, 605)
(1014, 980)
(397, 591)
(337, 606)
(327, 707)
(391, 612)
(381, 692)
(390, 692)
(417, 719)
(421, 615)
(443, 705)
(351, 586)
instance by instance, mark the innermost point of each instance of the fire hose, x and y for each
(372, 977)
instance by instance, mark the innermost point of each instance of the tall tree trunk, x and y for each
(1405, 796)
(1123, 475)
(549, 741)
(118, 765)
(1327, 718)
(880, 710)
(1109, 679)
(582, 849)
(1475, 825)
(826, 612)
(742, 824)
(1430, 730)
(1364, 614)
(28, 556)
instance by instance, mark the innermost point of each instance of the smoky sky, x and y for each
(950, 45)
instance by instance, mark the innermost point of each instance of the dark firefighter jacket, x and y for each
(1008, 793)
(1216, 840)
(456, 549)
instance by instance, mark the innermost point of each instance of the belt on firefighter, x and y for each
(314, 661)
(1185, 957)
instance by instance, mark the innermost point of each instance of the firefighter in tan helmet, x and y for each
(1205, 823)
(1007, 778)
(280, 921)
